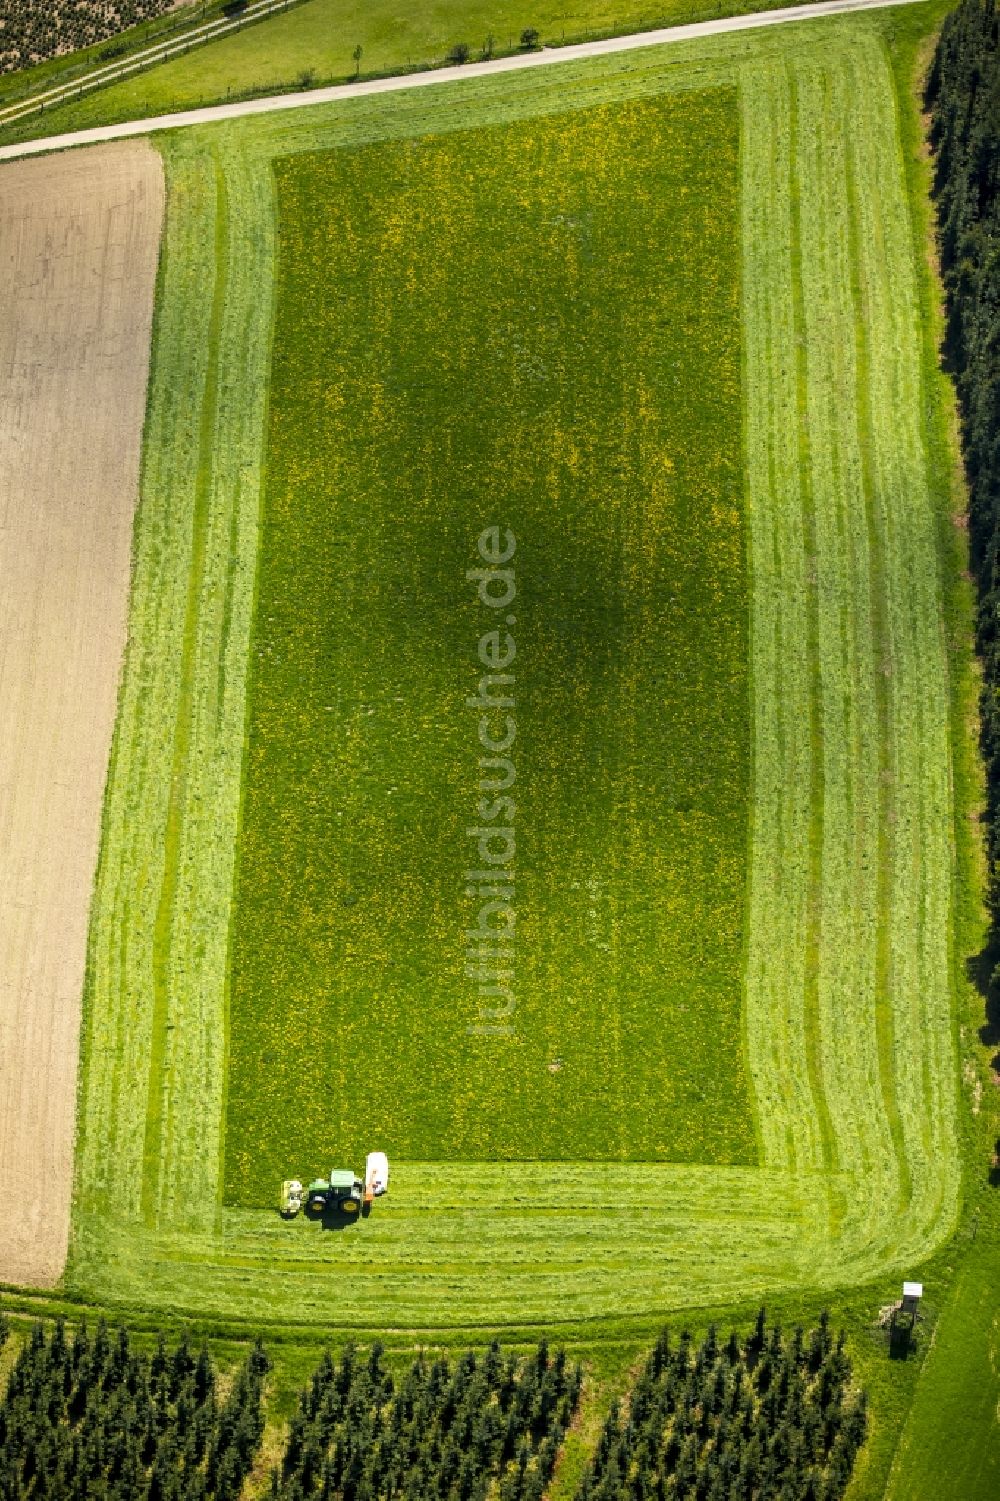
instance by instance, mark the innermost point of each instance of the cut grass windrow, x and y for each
(850, 523)
(118, 1030)
(156, 1005)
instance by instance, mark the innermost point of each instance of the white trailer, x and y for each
(376, 1175)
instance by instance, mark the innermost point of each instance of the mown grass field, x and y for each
(471, 331)
(849, 969)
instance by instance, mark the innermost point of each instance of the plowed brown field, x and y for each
(79, 238)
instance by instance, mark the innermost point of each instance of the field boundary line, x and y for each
(576, 52)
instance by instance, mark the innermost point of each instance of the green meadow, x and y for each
(472, 332)
(664, 327)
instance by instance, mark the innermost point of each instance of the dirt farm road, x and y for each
(544, 58)
(79, 241)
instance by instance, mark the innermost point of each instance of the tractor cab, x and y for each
(345, 1192)
(342, 1192)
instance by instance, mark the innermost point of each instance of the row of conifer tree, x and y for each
(32, 33)
(90, 1418)
(771, 1418)
(963, 94)
(488, 1425)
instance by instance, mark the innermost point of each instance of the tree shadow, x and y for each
(901, 1341)
(981, 969)
(995, 1169)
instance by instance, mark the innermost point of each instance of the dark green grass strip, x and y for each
(950, 1449)
(534, 327)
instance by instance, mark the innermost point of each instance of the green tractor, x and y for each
(341, 1193)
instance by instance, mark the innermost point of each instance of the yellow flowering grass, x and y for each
(534, 327)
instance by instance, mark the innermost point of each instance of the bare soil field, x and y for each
(79, 240)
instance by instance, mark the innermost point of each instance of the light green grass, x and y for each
(314, 44)
(475, 1245)
(150, 1136)
(848, 1008)
(858, 873)
(443, 363)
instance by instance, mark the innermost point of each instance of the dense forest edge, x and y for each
(963, 95)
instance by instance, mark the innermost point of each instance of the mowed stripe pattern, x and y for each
(155, 1034)
(848, 967)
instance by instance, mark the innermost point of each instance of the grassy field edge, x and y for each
(958, 1393)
